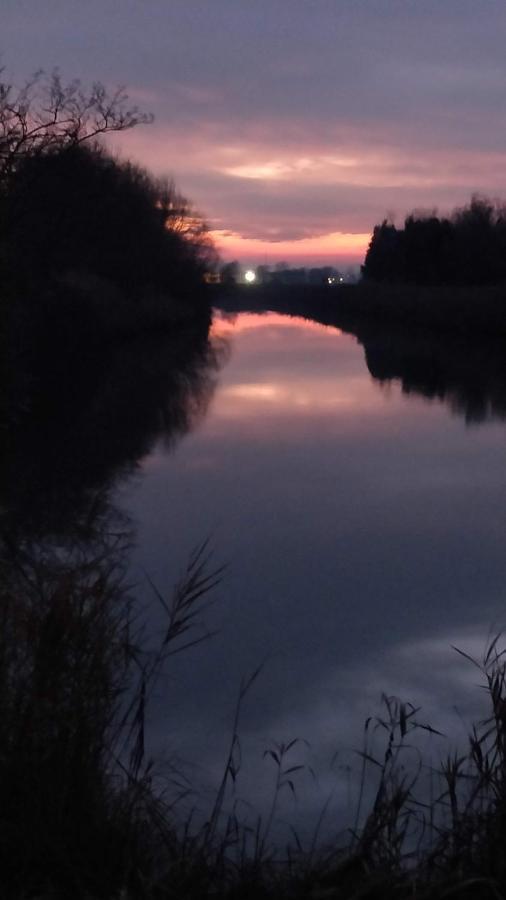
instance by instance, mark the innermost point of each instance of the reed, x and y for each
(85, 812)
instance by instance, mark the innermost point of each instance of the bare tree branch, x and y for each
(46, 114)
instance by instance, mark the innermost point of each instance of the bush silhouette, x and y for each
(79, 209)
(466, 248)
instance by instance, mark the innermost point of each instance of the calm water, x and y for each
(362, 524)
(354, 486)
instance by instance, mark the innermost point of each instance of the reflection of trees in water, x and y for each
(78, 809)
(74, 426)
(467, 375)
(469, 378)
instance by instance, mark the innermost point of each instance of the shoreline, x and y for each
(454, 311)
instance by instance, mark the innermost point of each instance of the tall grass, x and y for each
(77, 807)
(84, 812)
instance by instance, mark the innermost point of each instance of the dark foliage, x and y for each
(78, 209)
(230, 272)
(467, 248)
(72, 215)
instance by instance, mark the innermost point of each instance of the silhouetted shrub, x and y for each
(78, 209)
(467, 248)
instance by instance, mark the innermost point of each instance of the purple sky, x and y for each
(293, 125)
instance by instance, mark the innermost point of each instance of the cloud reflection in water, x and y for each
(364, 534)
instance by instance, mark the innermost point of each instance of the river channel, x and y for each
(360, 510)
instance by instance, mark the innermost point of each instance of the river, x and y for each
(361, 521)
(352, 485)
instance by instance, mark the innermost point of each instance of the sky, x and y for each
(294, 126)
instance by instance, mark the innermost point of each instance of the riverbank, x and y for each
(80, 309)
(463, 369)
(462, 311)
(67, 332)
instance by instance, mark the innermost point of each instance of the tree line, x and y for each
(68, 205)
(468, 247)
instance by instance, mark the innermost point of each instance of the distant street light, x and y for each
(250, 276)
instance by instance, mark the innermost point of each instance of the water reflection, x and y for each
(76, 425)
(470, 378)
(76, 428)
(364, 528)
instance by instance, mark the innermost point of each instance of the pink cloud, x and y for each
(311, 191)
(333, 247)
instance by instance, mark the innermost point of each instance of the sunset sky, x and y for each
(293, 125)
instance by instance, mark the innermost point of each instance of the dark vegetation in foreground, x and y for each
(87, 814)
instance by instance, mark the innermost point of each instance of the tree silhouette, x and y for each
(78, 209)
(467, 248)
(46, 114)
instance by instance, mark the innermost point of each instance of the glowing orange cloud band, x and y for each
(351, 247)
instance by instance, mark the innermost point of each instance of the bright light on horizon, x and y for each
(250, 276)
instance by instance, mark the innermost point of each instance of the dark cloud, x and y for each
(305, 210)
